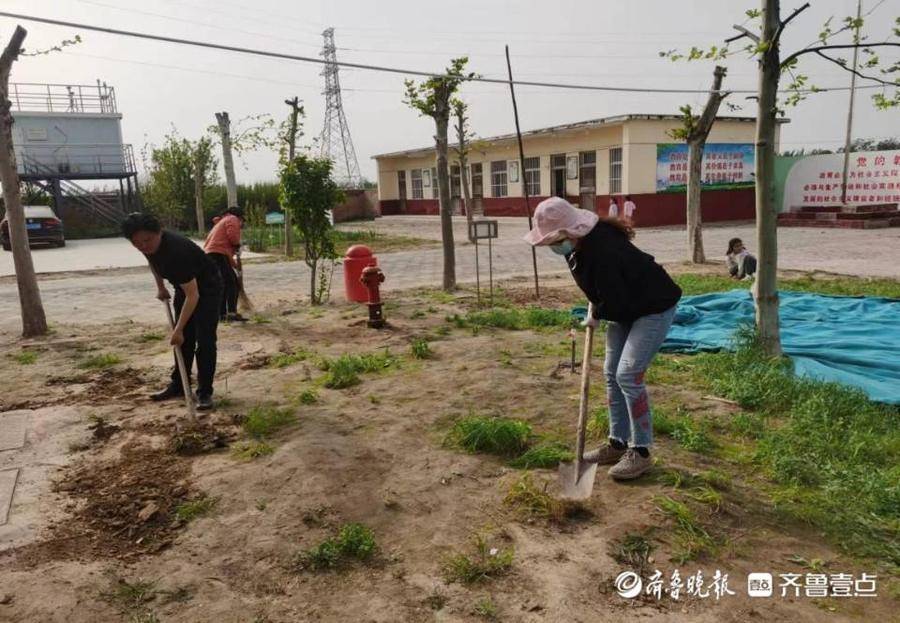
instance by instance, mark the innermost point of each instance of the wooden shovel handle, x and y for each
(182, 369)
(585, 385)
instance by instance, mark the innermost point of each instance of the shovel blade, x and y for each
(576, 479)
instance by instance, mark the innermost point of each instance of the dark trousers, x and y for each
(229, 279)
(199, 339)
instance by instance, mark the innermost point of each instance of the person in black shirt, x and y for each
(198, 295)
(636, 297)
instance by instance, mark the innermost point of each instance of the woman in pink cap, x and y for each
(636, 297)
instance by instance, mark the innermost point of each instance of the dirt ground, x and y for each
(109, 516)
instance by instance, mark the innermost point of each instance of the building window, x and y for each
(587, 161)
(615, 171)
(435, 190)
(416, 179)
(401, 184)
(498, 178)
(558, 175)
(454, 182)
(477, 180)
(533, 176)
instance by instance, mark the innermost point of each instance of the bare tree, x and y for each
(432, 98)
(695, 130)
(227, 159)
(463, 146)
(34, 321)
(765, 46)
(202, 156)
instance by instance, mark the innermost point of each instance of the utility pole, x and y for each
(296, 109)
(850, 109)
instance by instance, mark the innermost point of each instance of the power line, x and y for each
(395, 70)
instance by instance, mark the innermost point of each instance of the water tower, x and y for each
(68, 134)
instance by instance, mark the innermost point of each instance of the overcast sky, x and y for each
(591, 42)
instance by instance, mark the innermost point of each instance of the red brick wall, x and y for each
(652, 209)
(389, 207)
(669, 208)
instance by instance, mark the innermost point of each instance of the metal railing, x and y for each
(63, 98)
(76, 160)
(80, 196)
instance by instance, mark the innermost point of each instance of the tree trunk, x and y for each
(467, 196)
(198, 195)
(227, 160)
(766, 287)
(696, 144)
(34, 322)
(441, 123)
(312, 283)
(292, 144)
(694, 217)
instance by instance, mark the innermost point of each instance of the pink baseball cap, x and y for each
(555, 218)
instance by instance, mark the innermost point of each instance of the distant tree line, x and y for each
(860, 144)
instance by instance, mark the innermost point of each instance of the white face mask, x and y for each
(563, 248)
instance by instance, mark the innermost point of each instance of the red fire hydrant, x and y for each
(356, 259)
(372, 278)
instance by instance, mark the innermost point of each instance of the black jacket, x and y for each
(622, 282)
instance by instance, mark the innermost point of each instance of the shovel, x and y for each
(182, 370)
(576, 478)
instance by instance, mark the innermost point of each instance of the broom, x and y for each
(243, 300)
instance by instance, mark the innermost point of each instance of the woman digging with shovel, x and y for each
(627, 288)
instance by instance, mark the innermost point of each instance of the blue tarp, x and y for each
(850, 340)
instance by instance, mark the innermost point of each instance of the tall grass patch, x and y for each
(344, 371)
(832, 453)
(490, 435)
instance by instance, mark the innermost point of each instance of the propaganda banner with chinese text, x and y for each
(724, 166)
(873, 177)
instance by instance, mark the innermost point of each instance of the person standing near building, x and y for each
(613, 208)
(198, 296)
(636, 297)
(628, 209)
(222, 244)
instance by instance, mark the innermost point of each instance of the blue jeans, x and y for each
(630, 347)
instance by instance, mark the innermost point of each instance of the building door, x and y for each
(477, 189)
(401, 184)
(558, 175)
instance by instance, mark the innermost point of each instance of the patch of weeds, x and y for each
(692, 436)
(816, 565)
(249, 450)
(486, 563)
(841, 286)
(531, 500)
(681, 427)
(150, 336)
(100, 362)
(823, 444)
(598, 424)
(260, 319)
(490, 435)
(375, 400)
(129, 596)
(344, 371)
(442, 331)
(24, 357)
(353, 542)
(283, 360)
(439, 296)
(708, 496)
(417, 314)
(308, 397)
(420, 349)
(261, 505)
(691, 539)
(145, 616)
(543, 456)
(514, 319)
(263, 421)
(486, 609)
(180, 595)
(437, 599)
(199, 507)
(632, 551)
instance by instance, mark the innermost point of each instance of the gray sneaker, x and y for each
(604, 455)
(630, 466)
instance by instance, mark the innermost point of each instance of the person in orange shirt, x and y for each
(222, 244)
